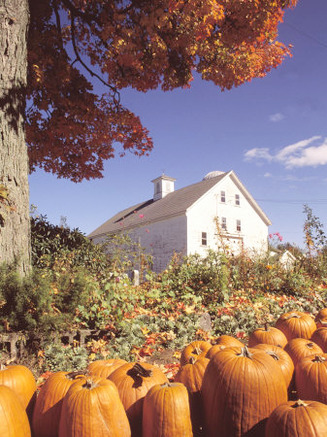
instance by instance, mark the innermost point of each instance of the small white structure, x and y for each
(285, 258)
(216, 212)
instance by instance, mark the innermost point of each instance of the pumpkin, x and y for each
(216, 348)
(221, 343)
(21, 380)
(298, 419)
(311, 378)
(298, 348)
(281, 357)
(296, 324)
(47, 410)
(320, 338)
(321, 318)
(228, 340)
(92, 408)
(196, 349)
(133, 381)
(267, 335)
(240, 389)
(191, 375)
(13, 418)
(104, 368)
(166, 411)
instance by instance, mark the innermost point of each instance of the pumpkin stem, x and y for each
(273, 355)
(192, 360)
(137, 370)
(89, 384)
(76, 373)
(197, 351)
(310, 345)
(266, 327)
(245, 352)
(319, 359)
(299, 403)
(293, 316)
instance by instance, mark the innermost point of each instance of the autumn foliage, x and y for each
(72, 128)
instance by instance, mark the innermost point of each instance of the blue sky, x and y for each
(272, 132)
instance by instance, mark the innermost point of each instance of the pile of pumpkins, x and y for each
(275, 386)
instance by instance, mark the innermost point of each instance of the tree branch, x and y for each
(114, 91)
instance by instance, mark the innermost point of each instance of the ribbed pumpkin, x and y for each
(166, 411)
(228, 340)
(196, 349)
(221, 343)
(311, 378)
(47, 410)
(241, 387)
(13, 418)
(92, 408)
(281, 357)
(298, 348)
(133, 381)
(321, 318)
(267, 335)
(191, 375)
(296, 324)
(320, 338)
(104, 368)
(298, 419)
(21, 380)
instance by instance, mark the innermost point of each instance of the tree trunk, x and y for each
(14, 190)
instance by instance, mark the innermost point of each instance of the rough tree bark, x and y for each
(14, 191)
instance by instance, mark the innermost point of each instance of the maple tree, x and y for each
(70, 128)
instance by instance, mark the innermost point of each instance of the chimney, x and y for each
(163, 185)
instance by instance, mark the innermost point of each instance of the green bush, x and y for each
(57, 247)
(27, 302)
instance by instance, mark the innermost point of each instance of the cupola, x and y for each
(163, 185)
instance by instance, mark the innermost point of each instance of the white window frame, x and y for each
(238, 225)
(224, 223)
(237, 200)
(223, 196)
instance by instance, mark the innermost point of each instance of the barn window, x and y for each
(204, 239)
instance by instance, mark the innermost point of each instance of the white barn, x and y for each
(216, 212)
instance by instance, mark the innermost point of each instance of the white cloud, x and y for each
(258, 153)
(275, 118)
(310, 152)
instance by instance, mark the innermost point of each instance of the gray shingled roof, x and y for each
(173, 204)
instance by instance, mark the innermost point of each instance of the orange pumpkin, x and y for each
(92, 408)
(267, 335)
(191, 375)
(196, 349)
(241, 387)
(47, 410)
(21, 380)
(298, 348)
(321, 318)
(311, 378)
(13, 417)
(320, 338)
(296, 324)
(281, 357)
(298, 419)
(166, 411)
(104, 368)
(133, 381)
